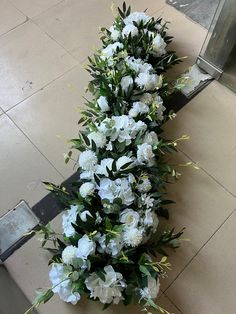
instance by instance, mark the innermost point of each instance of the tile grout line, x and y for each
(210, 175)
(173, 303)
(35, 146)
(13, 28)
(41, 88)
(198, 251)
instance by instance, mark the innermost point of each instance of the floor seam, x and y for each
(29, 139)
(210, 175)
(53, 6)
(173, 303)
(18, 25)
(199, 250)
(42, 88)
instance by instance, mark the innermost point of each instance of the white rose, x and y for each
(151, 138)
(115, 34)
(137, 17)
(152, 290)
(104, 164)
(98, 138)
(122, 161)
(148, 81)
(145, 186)
(85, 247)
(159, 45)
(137, 108)
(86, 189)
(129, 217)
(126, 83)
(88, 160)
(130, 29)
(103, 104)
(144, 153)
(110, 50)
(69, 254)
(68, 219)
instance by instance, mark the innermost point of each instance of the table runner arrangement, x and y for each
(113, 247)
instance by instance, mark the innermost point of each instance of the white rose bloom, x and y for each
(132, 236)
(115, 34)
(126, 83)
(104, 164)
(145, 153)
(152, 290)
(87, 175)
(138, 65)
(110, 50)
(129, 29)
(151, 138)
(103, 104)
(137, 127)
(85, 247)
(151, 219)
(148, 81)
(137, 17)
(113, 247)
(86, 189)
(88, 160)
(68, 219)
(98, 138)
(109, 146)
(137, 108)
(83, 215)
(58, 275)
(145, 186)
(69, 254)
(122, 161)
(159, 45)
(119, 188)
(108, 291)
(129, 217)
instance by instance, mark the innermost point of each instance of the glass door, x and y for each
(218, 54)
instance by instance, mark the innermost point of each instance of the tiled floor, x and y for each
(43, 46)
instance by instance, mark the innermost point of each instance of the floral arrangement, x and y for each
(113, 248)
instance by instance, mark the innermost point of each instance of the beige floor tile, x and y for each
(188, 38)
(22, 168)
(10, 17)
(29, 60)
(209, 119)
(49, 118)
(34, 7)
(140, 5)
(29, 258)
(207, 285)
(73, 29)
(201, 206)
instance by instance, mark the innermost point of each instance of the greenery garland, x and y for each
(112, 248)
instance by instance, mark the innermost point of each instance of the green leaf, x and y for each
(144, 270)
(101, 275)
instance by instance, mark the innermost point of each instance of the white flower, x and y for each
(132, 236)
(147, 200)
(98, 138)
(122, 161)
(137, 108)
(137, 17)
(109, 146)
(138, 65)
(113, 247)
(87, 175)
(110, 50)
(129, 29)
(68, 219)
(108, 291)
(129, 217)
(159, 45)
(88, 160)
(69, 254)
(103, 104)
(86, 189)
(148, 81)
(59, 277)
(115, 34)
(119, 188)
(151, 220)
(151, 138)
(126, 83)
(104, 164)
(85, 247)
(145, 153)
(145, 186)
(152, 290)
(98, 218)
(83, 215)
